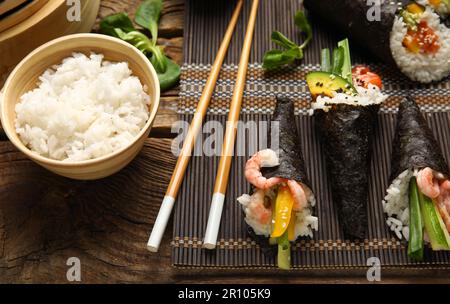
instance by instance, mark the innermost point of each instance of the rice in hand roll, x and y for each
(418, 198)
(409, 35)
(279, 209)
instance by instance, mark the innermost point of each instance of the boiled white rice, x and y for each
(396, 203)
(83, 109)
(371, 95)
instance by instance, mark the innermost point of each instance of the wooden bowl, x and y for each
(47, 23)
(25, 78)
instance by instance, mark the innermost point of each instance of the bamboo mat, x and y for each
(205, 24)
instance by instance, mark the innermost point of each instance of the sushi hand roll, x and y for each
(345, 106)
(410, 36)
(279, 209)
(442, 7)
(418, 199)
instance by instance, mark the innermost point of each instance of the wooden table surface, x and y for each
(46, 219)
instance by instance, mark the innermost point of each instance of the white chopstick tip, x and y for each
(209, 246)
(215, 216)
(152, 248)
(160, 224)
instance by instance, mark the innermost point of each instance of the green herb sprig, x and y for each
(147, 15)
(291, 52)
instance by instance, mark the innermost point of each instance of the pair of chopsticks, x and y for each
(229, 138)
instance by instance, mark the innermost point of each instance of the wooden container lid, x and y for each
(47, 23)
(9, 5)
(13, 12)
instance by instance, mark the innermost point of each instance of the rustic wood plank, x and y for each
(166, 118)
(172, 14)
(46, 219)
(313, 277)
(172, 19)
(173, 48)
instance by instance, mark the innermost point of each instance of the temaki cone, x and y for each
(414, 145)
(347, 132)
(292, 164)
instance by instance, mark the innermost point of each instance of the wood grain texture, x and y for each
(46, 219)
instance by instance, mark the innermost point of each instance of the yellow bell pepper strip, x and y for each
(283, 211)
(291, 228)
(411, 44)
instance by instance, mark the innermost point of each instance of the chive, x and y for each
(346, 72)
(284, 252)
(325, 60)
(415, 245)
(338, 61)
(434, 225)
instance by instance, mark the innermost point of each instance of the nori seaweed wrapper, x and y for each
(268, 250)
(346, 133)
(350, 17)
(292, 164)
(414, 145)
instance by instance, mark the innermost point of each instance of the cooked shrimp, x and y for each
(427, 183)
(445, 185)
(257, 210)
(444, 196)
(300, 200)
(264, 158)
(444, 213)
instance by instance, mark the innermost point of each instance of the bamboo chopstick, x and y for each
(215, 213)
(196, 124)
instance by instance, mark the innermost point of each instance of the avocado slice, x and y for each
(411, 15)
(324, 83)
(447, 3)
